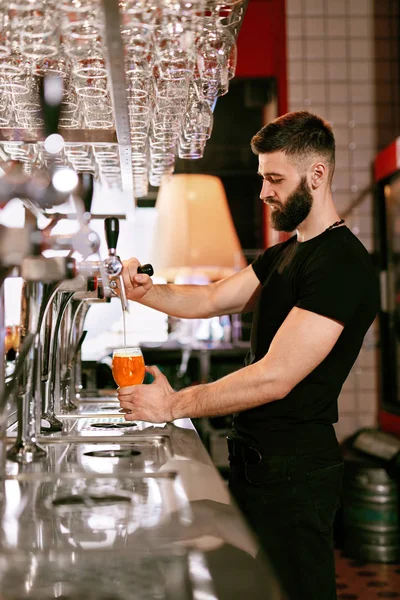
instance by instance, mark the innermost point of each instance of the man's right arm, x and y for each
(234, 294)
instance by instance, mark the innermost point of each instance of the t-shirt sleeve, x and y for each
(262, 265)
(331, 287)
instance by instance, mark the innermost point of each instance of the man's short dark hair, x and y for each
(299, 135)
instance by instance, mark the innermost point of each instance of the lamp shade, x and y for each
(195, 230)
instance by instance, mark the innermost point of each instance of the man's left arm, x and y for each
(302, 342)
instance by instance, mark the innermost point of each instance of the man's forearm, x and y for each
(244, 389)
(183, 301)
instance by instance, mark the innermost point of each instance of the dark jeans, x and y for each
(290, 503)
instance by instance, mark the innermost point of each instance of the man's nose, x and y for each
(266, 190)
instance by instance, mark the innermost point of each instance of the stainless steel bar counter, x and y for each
(122, 510)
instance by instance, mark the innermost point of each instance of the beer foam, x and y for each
(127, 352)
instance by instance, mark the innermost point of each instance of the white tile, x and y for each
(363, 158)
(314, 27)
(337, 71)
(367, 379)
(341, 183)
(315, 71)
(297, 106)
(341, 135)
(361, 27)
(373, 333)
(338, 93)
(314, 7)
(315, 49)
(337, 8)
(341, 200)
(296, 92)
(368, 357)
(342, 157)
(316, 92)
(362, 93)
(335, 28)
(349, 384)
(296, 70)
(347, 425)
(294, 27)
(368, 242)
(368, 420)
(362, 178)
(364, 135)
(362, 48)
(336, 49)
(361, 7)
(338, 115)
(362, 71)
(342, 172)
(362, 114)
(295, 49)
(293, 7)
(365, 207)
(318, 109)
(346, 403)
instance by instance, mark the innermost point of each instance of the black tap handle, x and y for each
(85, 189)
(51, 93)
(146, 269)
(111, 225)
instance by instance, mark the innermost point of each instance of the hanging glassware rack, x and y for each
(140, 80)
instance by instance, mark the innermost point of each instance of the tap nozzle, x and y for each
(113, 263)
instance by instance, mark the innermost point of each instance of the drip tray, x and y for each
(113, 453)
(89, 500)
(103, 455)
(110, 425)
(96, 511)
(102, 425)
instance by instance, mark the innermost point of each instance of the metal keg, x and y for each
(370, 510)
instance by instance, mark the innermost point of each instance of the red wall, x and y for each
(262, 44)
(262, 53)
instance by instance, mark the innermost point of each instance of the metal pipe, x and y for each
(34, 305)
(3, 416)
(57, 356)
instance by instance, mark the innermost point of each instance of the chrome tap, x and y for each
(22, 248)
(113, 263)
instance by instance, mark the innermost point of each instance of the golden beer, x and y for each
(128, 366)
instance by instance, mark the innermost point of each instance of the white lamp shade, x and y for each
(195, 229)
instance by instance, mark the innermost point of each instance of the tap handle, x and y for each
(51, 95)
(111, 225)
(147, 269)
(85, 190)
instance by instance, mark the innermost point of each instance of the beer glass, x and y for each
(128, 366)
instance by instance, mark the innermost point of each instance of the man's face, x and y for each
(284, 191)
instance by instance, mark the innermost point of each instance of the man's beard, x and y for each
(297, 208)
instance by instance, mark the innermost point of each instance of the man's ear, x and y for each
(319, 174)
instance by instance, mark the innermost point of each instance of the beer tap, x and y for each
(113, 263)
(43, 277)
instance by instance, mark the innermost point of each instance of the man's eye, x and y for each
(275, 180)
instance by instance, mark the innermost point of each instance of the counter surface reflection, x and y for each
(112, 509)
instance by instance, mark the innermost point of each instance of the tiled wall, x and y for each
(343, 64)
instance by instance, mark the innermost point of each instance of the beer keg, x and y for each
(370, 511)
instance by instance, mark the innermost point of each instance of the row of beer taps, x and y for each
(56, 295)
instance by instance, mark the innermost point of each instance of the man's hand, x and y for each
(152, 403)
(136, 284)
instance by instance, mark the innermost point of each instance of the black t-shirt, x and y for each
(331, 275)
